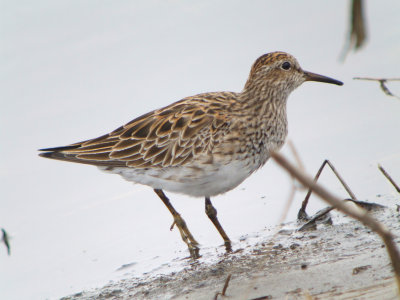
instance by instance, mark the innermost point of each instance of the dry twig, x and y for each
(382, 83)
(356, 213)
(323, 213)
(262, 298)
(293, 185)
(302, 215)
(224, 288)
(389, 178)
(358, 32)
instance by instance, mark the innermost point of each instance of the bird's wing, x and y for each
(170, 136)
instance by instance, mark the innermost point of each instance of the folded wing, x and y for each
(162, 138)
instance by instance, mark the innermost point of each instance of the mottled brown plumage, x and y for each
(202, 145)
(166, 137)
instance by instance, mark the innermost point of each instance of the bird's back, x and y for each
(165, 137)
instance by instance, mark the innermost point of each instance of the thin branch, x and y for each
(226, 285)
(376, 79)
(382, 83)
(224, 288)
(358, 31)
(293, 188)
(323, 213)
(302, 215)
(311, 222)
(389, 178)
(357, 213)
(296, 155)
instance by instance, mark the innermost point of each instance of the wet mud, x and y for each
(342, 260)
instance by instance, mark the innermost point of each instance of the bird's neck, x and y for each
(266, 104)
(266, 112)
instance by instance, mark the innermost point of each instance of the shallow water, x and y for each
(72, 71)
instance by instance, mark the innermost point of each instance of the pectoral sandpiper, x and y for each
(203, 145)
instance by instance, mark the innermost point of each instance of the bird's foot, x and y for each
(187, 236)
(228, 246)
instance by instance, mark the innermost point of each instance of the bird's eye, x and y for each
(286, 65)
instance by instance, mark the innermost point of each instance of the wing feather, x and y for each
(170, 136)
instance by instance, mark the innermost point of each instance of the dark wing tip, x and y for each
(63, 148)
(45, 154)
(53, 155)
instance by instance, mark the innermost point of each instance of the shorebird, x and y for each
(203, 145)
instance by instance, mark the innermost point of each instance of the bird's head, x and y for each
(280, 73)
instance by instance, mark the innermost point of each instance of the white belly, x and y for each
(206, 182)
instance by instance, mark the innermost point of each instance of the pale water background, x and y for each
(73, 70)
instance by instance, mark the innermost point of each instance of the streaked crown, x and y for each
(278, 70)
